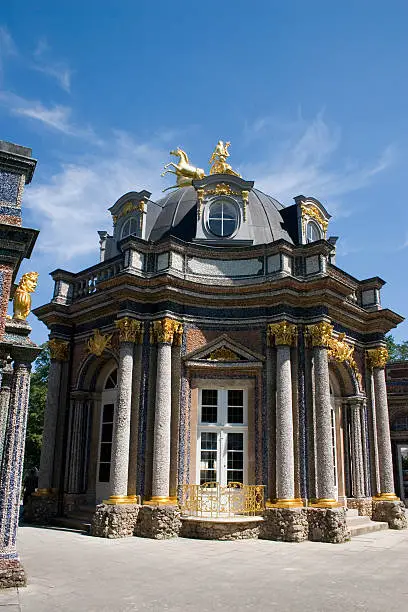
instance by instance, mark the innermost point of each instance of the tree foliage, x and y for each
(36, 408)
(396, 351)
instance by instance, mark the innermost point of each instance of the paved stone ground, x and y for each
(76, 573)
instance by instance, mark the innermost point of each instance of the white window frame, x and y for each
(222, 428)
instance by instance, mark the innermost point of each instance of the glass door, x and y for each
(222, 436)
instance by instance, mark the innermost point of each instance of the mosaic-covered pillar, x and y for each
(6, 378)
(134, 417)
(59, 350)
(175, 409)
(284, 335)
(357, 457)
(129, 333)
(11, 571)
(377, 358)
(320, 335)
(164, 332)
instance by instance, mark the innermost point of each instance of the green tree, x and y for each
(396, 351)
(35, 421)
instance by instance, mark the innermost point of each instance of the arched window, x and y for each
(313, 232)
(129, 227)
(112, 380)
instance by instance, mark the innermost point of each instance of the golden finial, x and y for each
(219, 160)
(22, 297)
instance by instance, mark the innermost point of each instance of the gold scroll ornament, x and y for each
(98, 343)
(130, 330)
(223, 354)
(378, 357)
(166, 330)
(22, 297)
(284, 333)
(59, 349)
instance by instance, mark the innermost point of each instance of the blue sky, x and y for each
(312, 95)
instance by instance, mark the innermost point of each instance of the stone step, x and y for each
(357, 520)
(72, 522)
(351, 512)
(369, 527)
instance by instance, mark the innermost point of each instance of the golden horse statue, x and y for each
(184, 171)
(22, 297)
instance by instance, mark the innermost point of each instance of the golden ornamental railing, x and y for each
(211, 500)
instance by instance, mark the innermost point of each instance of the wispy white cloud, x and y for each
(72, 204)
(308, 161)
(57, 70)
(57, 117)
(7, 48)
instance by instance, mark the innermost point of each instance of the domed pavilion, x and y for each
(215, 374)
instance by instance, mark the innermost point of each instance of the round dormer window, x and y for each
(222, 218)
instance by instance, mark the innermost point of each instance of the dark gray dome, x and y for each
(178, 217)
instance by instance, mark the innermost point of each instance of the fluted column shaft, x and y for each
(284, 334)
(357, 458)
(162, 424)
(134, 421)
(164, 332)
(50, 425)
(324, 443)
(383, 432)
(13, 458)
(121, 428)
(6, 378)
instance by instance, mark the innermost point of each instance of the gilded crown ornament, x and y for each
(59, 349)
(130, 330)
(165, 330)
(98, 343)
(378, 357)
(284, 333)
(341, 351)
(22, 297)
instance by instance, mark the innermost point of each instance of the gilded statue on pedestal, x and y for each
(219, 160)
(184, 171)
(22, 297)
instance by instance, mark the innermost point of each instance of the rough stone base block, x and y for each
(158, 522)
(221, 529)
(12, 574)
(41, 509)
(391, 512)
(285, 525)
(364, 505)
(111, 521)
(328, 525)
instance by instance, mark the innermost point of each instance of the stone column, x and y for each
(134, 419)
(284, 334)
(129, 332)
(357, 458)
(6, 378)
(271, 411)
(59, 350)
(175, 410)
(320, 335)
(164, 332)
(11, 571)
(377, 358)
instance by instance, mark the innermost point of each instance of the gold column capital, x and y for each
(59, 349)
(165, 331)
(130, 330)
(320, 334)
(284, 333)
(377, 357)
